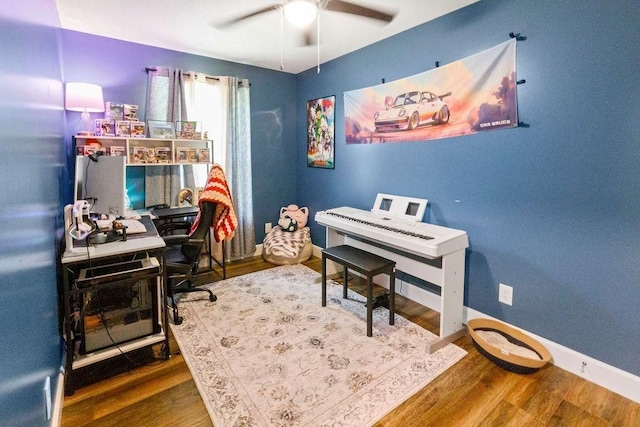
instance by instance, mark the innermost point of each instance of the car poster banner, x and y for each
(472, 95)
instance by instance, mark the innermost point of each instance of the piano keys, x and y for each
(419, 238)
(429, 252)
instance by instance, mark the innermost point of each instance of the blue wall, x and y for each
(553, 209)
(550, 209)
(37, 171)
(31, 164)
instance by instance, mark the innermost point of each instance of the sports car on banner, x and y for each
(474, 94)
(412, 109)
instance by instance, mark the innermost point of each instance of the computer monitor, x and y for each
(102, 183)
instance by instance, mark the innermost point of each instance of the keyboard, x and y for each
(133, 226)
(419, 238)
(131, 214)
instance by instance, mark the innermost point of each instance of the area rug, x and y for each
(266, 353)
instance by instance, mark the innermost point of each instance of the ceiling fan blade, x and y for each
(354, 9)
(247, 16)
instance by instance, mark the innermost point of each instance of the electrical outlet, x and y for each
(267, 227)
(505, 294)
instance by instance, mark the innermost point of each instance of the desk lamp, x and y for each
(84, 97)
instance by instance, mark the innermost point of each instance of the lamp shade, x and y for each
(85, 97)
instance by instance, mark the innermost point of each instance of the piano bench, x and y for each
(364, 263)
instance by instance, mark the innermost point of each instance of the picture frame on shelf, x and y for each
(188, 130)
(161, 130)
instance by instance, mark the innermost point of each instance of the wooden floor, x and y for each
(474, 392)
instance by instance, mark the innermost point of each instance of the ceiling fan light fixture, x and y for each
(300, 13)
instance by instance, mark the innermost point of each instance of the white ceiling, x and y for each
(190, 26)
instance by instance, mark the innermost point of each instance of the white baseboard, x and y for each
(58, 400)
(258, 251)
(593, 370)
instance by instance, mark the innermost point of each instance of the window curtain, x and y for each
(222, 105)
(165, 102)
(236, 135)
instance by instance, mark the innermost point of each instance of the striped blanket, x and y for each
(217, 190)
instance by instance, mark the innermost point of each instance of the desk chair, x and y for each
(183, 254)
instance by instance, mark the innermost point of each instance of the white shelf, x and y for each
(117, 349)
(148, 151)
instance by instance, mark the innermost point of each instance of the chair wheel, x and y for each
(177, 320)
(213, 298)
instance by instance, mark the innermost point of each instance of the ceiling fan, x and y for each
(301, 13)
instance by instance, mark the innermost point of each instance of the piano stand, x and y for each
(449, 277)
(364, 263)
(426, 251)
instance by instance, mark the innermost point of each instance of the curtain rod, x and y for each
(189, 74)
(186, 74)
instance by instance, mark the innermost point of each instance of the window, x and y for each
(203, 99)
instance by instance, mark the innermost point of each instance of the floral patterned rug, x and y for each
(266, 353)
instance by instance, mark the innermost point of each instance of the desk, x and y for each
(170, 214)
(77, 295)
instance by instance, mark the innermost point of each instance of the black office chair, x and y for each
(183, 253)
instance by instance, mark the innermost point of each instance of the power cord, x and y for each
(103, 320)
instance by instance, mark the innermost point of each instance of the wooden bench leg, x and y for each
(369, 306)
(324, 280)
(392, 296)
(345, 275)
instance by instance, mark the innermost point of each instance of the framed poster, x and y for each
(320, 132)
